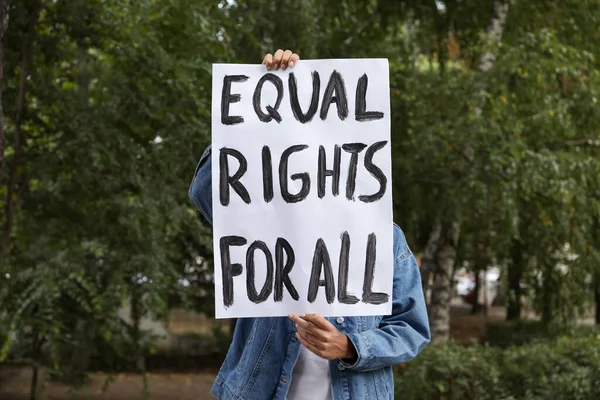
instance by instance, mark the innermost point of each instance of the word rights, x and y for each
(302, 205)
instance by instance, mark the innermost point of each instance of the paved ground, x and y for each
(14, 385)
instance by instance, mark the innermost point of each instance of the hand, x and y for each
(281, 59)
(322, 338)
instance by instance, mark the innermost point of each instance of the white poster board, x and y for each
(302, 200)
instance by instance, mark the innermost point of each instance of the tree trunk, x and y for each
(597, 300)
(439, 310)
(486, 289)
(441, 291)
(596, 239)
(428, 262)
(515, 272)
(34, 382)
(34, 388)
(12, 192)
(494, 33)
(136, 333)
(475, 305)
(4, 15)
(548, 287)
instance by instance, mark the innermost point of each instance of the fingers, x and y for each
(268, 61)
(308, 341)
(299, 321)
(281, 59)
(293, 60)
(277, 59)
(320, 322)
(313, 347)
(285, 59)
(324, 343)
(308, 329)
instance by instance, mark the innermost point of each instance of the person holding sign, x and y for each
(282, 243)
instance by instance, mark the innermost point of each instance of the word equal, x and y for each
(335, 92)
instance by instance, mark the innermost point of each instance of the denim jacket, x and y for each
(263, 352)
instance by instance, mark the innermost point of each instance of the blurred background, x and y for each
(106, 287)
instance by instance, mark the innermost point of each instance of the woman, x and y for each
(309, 357)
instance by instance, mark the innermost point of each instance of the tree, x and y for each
(447, 172)
(104, 128)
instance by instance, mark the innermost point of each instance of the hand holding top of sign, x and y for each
(281, 59)
(322, 338)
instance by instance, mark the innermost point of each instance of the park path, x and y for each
(14, 385)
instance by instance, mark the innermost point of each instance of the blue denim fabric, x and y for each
(263, 352)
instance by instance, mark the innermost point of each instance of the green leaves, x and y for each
(562, 368)
(118, 112)
(104, 217)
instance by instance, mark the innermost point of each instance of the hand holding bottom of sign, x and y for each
(322, 338)
(281, 59)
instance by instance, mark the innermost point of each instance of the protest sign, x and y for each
(302, 202)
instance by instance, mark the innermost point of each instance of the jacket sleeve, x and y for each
(200, 191)
(403, 334)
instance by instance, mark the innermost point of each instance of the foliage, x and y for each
(518, 333)
(563, 368)
(104, 218)
(110, 101)
(522, 169)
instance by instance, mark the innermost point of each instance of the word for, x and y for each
(278, 273)
(335, 92)
(226, 180)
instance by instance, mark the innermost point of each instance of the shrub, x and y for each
(560, 368)
(450, 371)
(519, 333)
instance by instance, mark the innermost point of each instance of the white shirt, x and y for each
(311, 379)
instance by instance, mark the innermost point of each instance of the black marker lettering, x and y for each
(368, 296)
(321, 260)
(283, 269)
(354, 149)
(336, 83)
(272, 112)
(267, 169)
(361, 102)
(227, 98)
(225, 180)
(343, 296)
(228, 269)
(267, 288)
(323, 172)
(283, 176)
(314, 101)
(376, 172)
